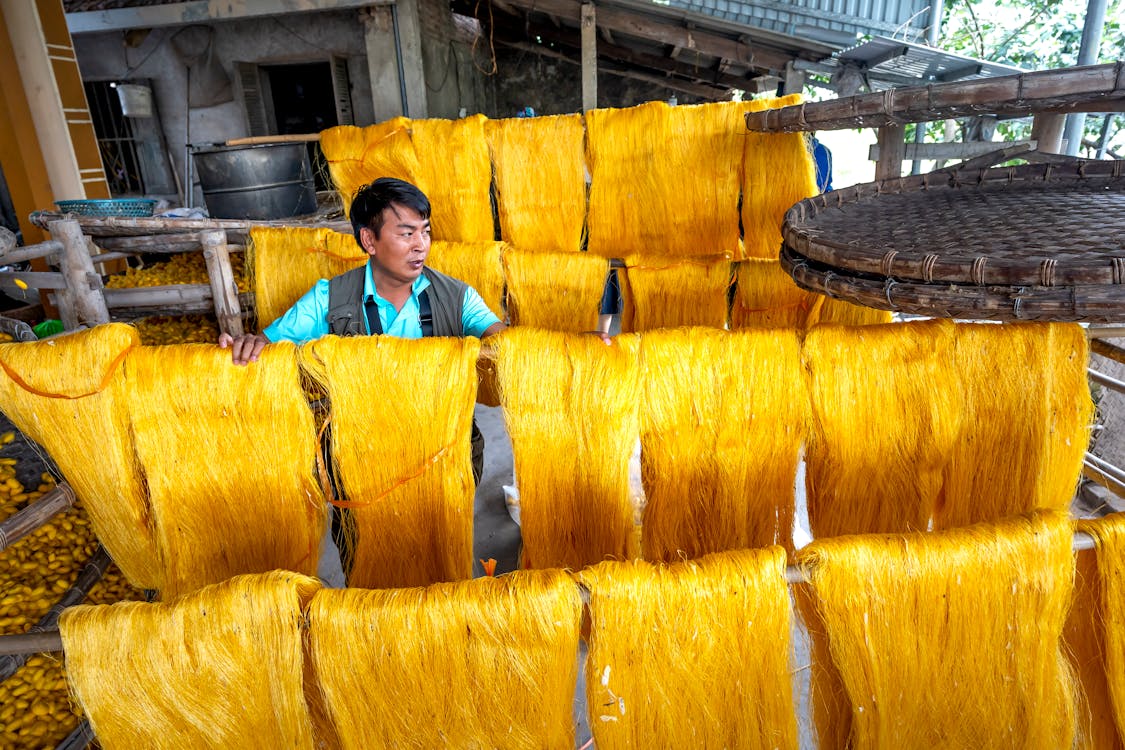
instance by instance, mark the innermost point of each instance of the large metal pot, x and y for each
(260, 181)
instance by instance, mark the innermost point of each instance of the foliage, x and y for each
(1034, 34)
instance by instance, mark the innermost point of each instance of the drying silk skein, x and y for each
(570, 404)
(540, 181)
(358, 156)
(766, 296)
(222, 667)
(486, 663)
(555, 291)
(475, 263)
(229, 453)
(69, 395)
(401, 415)
(947, 639)
(691, 655)
(719, 449)
(666, 292)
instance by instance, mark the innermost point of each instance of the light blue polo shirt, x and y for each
(307, 319)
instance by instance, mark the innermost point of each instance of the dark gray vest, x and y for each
(345, 303)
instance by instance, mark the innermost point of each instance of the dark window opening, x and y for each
(132, 148)
(303, 101)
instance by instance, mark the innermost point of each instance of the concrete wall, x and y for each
(286, 39)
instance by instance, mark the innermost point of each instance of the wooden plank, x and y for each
(892, 149)
(224, 288)
(159, 296)
(77, 269)
(950, 150)
(589, 57)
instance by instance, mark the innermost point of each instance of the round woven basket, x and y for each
(1031, 242)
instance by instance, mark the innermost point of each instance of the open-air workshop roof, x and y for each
(701, 47)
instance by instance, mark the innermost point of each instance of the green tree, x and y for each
(1034, 35)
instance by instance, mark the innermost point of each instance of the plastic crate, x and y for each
(108, 207)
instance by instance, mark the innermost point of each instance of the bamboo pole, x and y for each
(1107, 350)
(254, 140)
(74, 261)
(224, 288)
(50, 640)
(1099, 476)
(28, 519)
(79, 739)
(44, 636)
(30, 252)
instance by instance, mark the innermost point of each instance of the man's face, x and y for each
(400, 250)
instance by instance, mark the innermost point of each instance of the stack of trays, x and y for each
(1034, 242)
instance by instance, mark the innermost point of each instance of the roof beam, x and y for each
(199, 11)
(675, 34)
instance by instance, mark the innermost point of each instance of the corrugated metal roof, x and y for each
(892, 59)
(842, 18)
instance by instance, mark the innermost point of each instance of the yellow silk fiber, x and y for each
(691, 655)
(68, 394)
(719, 449)
(454, 171)
(665, 180)
(221, 667)
(401, 416)
(840, 312)
(1027, 421)
(570, 404)
(951, 639)
(666, 292)
(1108, 599)
(229, 453)
(288, 261)
(555, 291)
(778, 171)
(357, 156)
(766, 296)
(886, 412)
(475, 263)
(487, 663)
(540, 180)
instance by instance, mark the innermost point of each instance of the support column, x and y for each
(1047, 131)
(589, 58)
(794, 82)
(408, 33)
(224, 288)
(387, 85)
(84, 295)
(1087, 55)
(892, 150)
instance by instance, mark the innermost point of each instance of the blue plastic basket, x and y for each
(108, 207)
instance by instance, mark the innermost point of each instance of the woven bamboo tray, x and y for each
(980, 243)
(1092, 303)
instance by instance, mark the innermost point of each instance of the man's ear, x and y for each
(367, 240)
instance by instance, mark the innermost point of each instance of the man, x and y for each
(394, 293)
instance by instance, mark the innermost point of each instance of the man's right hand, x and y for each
(244, 349)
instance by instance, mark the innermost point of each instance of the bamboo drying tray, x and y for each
(1035, 242)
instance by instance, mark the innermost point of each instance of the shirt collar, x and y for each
(420, 284)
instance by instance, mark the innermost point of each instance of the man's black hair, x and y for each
(371, 200)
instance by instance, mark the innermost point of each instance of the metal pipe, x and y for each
(1087, 55)
(1101, 379)
(28, 519)
(398, 59)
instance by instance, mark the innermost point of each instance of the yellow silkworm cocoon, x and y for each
(486, 663)
(555, 291)
(230, 466)
(540, 181)
(69, 395)
(221, 667)
(402, 457)
(665, 180)
(719, 449)
(948, 639)
(766, 296)
(288, 261)
(778, 171)
(666, 292)
(1027, 422)
(475, 263)
(357, 156)
(691, 655)
(886, 413)
(570, 404)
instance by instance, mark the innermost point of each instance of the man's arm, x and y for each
(244, 349)
(494, 329)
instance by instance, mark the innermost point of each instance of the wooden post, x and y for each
(892, 150)
(589, 58)
(82, 296)
(1048, 131)
(28, 519)
(224, 289)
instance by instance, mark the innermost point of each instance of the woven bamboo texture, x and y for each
(1091, 88)
(1034, 242)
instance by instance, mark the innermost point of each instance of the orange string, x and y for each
(409, 478)
(101, 386)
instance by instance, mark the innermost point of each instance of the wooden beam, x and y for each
(589, 57)
(950, 150)
(892, 150)
(672, 33)
(607, 35)
(200, 11)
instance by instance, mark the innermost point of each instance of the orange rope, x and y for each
(422, 470)
(101, 386)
